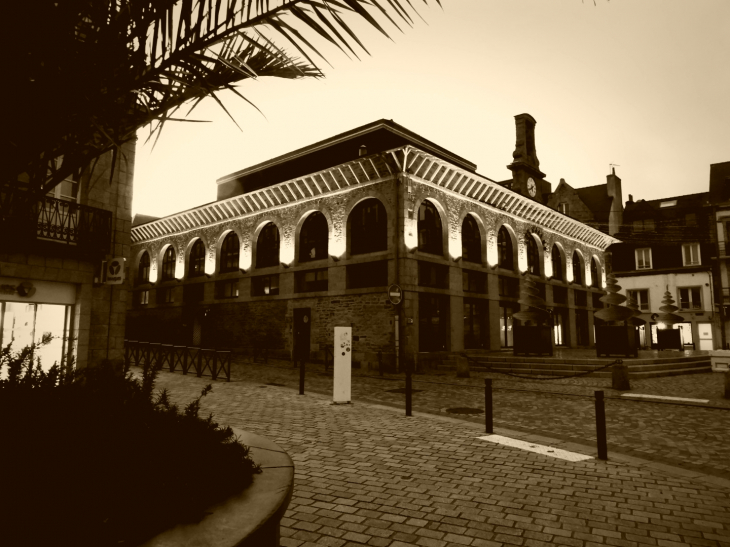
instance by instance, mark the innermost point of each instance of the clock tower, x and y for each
(527, 179)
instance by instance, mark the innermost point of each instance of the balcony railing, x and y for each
(26, 220)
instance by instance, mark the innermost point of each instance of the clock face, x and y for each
(531, 187)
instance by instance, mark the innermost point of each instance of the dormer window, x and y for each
(564, 208)
(670, 203)
(646, 225)
(691, 254)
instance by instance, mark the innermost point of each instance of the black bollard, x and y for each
(301, 377)
(409, 394)
(601, 426)
(488, 411)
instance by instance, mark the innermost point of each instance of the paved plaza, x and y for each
(368, 475)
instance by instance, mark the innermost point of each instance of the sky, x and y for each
(644, 85)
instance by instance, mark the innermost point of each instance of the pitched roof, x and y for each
(596, 199)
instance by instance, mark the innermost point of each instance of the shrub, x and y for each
(96, 458)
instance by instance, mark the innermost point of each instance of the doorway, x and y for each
(705, 336)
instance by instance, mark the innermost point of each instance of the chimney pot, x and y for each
(631, 198)
(363, 151)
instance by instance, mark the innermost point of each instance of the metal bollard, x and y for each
(601, 426)
(409, 387)
(301, 377)
(488, 410)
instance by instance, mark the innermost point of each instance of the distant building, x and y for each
(720, 198)
(312, 239)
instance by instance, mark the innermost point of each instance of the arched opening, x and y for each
(143, 270)
(557, 261)
(196, 262)
(230, 251)
(577, 268)
(267, 246)
(505, 250)
(168, 264)
(533, 255)
(471, 240)
(430, 232)
(368, 227)
(313, 238)
(595, 278)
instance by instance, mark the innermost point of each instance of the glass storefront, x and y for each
(505, 326)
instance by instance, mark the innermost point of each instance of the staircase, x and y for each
(550, 366)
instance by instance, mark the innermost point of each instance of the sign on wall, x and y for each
(343, 365)
(114, 271)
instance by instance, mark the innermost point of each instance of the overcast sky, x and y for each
(641, 84)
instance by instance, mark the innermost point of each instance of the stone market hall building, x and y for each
(313, 239)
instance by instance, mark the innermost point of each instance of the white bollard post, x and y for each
(342, 366)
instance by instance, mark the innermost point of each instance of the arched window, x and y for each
(143, 272)
(196, 263)
(267, 246)
(577, 269)
(430, 233)
(533, 255)
(313, 238)
(229, 253)
(557, 261)
(471, 240)
(168, 264)
(504, 247)
(595, 279)
(368, 227)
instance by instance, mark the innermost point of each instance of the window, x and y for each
(229, 253)
(196, 264)
(690, 219)
(165, 296)
(471, 241)
(564, 208)
(533, 255)
(577, 269)
(505, 250)
(313, 238)
(433, 322)
(433, 275)
(476, 330)
(691, 254)
(267, 246)
(474, 281)
(368, 227)
(369, 274)
(509, 287)
(690, 298)
(557, 261)
(143, 298)
(560, 295)
(265, 285)
(193, 293)
(643, 258)
(581, 298)
(227, 288)
(595, 277)
(430, 233)
(671, 203)
(642, 298)
(168, 264)
(597, 304)
(143, 272)
(646, 225)
(313, 280)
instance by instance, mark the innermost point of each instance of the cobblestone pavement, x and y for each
(367, 475)
(693, 438)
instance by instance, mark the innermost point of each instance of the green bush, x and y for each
(96, 458)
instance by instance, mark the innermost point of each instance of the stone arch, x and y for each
(540, 248)
(581, 268)
(598, 282)
(302, 219)
(348, 215)
(162, 274)
(219, 247)
(138, 260)
(557, 246)
(513, 240)
(256, 233)
(482, 233)
(188, 251)
(443, 217)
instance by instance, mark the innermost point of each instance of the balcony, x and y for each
(52, 226)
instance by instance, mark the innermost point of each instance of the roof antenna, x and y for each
(612, 165)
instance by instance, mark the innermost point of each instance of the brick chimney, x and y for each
(616, 214)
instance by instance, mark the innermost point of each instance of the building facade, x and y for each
(51, 255)
(317, 236)
(720, 200)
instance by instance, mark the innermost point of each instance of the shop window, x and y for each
(691, 254)
(193, 293)
(265, 285)
(559, 327)
(560, 295)
(596, 297)
(581, 298)
(267, 246)
(557, 260)
(310, 281)
(509, 287)
(230, 251)
(165, 295)
(505, 250)
(577, 269)
(476, 328)
(471, 241)
(143, 271)
(226, 289)
(368, 274)
(142, 298)
(368, 227)
(595, 277)
(533, 255)
(168, 264)
(196, 263)
(474, 281)
(313, 238)
(690, 298)
(505, 326)
(433, 275)
(433, 322)
(642, 298)
(430, 232)
(581, 327)
(643, 258)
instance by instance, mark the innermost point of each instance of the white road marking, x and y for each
(665, 398)
(537, 448)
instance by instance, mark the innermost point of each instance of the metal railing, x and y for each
(173, 358)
